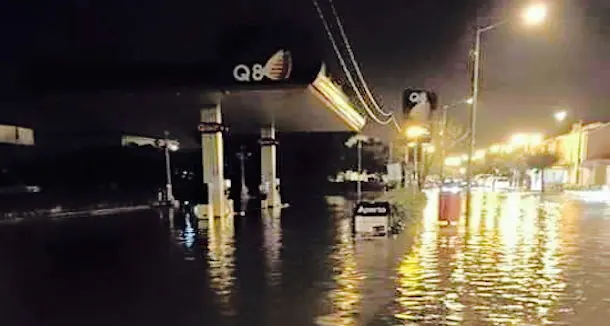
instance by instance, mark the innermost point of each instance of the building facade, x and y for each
(584, 154)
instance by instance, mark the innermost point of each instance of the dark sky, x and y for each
(399, 43)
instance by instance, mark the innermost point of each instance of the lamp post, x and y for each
(577, 129)
(242, 155)
(533, 15)
(358, 140)
(168, 171)
(415, 133)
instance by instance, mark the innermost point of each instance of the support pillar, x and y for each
(270, 184)
(213, 163)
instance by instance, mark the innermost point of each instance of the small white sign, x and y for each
(372, 225)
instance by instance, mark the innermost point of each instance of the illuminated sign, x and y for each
(418, 104)
(278, 67)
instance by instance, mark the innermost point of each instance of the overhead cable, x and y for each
(354, 62)
(346, 69)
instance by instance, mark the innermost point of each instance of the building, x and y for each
(584, 155)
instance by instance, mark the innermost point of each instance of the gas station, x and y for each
(275, 85)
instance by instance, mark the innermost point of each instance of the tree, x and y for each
(540, 162)
(443, 140)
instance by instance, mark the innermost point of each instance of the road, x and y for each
(520, 260)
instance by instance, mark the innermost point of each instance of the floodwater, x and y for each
(519, 260)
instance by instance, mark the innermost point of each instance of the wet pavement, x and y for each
(517, 260)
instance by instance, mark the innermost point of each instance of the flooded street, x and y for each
(518, 260)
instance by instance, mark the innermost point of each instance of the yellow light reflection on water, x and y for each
(503, 267)
(418, 275)
(345, 297)
(221, 258)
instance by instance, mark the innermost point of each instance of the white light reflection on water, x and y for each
(504, 267)
(345, 297)
(221, 260)
(272, 232)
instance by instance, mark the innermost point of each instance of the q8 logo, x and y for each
(418, 104)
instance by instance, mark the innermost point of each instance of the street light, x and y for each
(168, 173)
(560, 116)
(532, 15)
(415, 132)
(519, 140)
(535, 14)
(358, 140)
(453, 161)
(173, 147)
(536, 139)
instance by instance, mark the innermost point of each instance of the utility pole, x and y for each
(416, 164)
(473, 113)
(443, 134)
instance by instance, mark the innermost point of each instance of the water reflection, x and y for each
(345, 296)
(272, 232)
(221, 260)
(504, 267)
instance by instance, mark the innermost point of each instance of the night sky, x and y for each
(526, 73)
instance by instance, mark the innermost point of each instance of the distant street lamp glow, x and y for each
(535, 14)
(526, 140)
(519, 140)
(453, 161)
(479, 154)
(536, 139)
(560, 116)
(173, 147)
(495, 148)
(416, 131)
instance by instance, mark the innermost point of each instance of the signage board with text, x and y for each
(372, 218)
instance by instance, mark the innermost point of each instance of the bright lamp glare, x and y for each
(560, 116)
(535, 14)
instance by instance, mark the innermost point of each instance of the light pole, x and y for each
(532, 15)
(168, 170)
(577, 129)
(242, 156)
(416, 132)
(358, 140)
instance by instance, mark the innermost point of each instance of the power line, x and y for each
(346, 70)
(354, 62)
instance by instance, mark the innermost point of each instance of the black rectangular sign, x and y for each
(369, 208)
